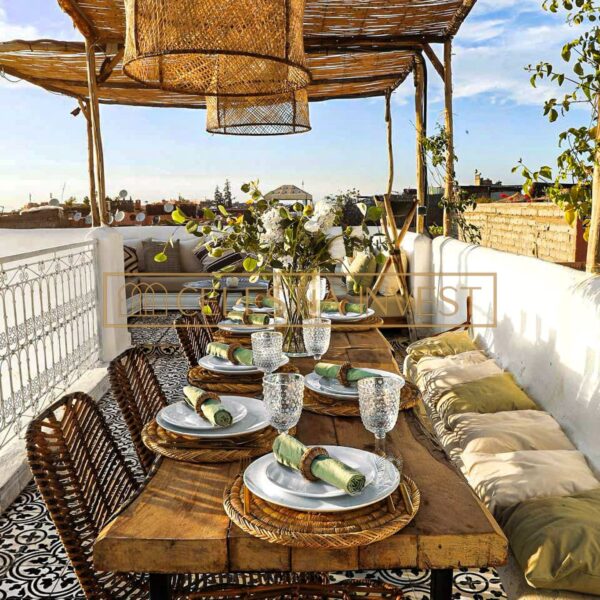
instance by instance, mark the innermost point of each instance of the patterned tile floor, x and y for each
(33, 564)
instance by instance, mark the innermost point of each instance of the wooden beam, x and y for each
(419, 75)
(97, 134)
(367, 43)
(108, 66)
(85, 110)
(449, 122)
(593, 249)
(80, 20)
(435, 61)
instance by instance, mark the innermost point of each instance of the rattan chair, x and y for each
(193, 336)
(216, 314)
(139, 396)
(83, 479)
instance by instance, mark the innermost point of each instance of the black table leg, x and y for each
(441, 584)
(160, 586)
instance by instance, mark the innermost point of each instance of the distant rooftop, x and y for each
(289, 193)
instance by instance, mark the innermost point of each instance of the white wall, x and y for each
(547, 332)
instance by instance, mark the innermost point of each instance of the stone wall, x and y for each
(531, 229)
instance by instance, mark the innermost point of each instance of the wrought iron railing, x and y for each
(48, 329)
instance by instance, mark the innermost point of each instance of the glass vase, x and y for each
(298, 297)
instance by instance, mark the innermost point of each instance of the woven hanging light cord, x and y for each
(216, 47)
(258, 115)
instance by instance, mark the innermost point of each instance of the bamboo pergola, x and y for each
(354, 50)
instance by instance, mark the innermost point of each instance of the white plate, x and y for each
(230, 368)
(224, 365)
(255, 309)
(316, 383)
(240, 328)
(385, 482)
(294, 482)
(255, 420)
(340, 318)
(181, 414)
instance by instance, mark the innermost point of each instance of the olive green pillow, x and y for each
(361, 273)
(556, 541)
(445, 344)
(491, 394)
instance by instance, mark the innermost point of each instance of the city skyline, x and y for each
(162, 153)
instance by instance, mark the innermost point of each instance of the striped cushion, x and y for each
(229, 258)
(132, 264)
(200, 252)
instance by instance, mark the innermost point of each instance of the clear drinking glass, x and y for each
(283, 395)
(317, 335)
(379, 400)
(267, 350)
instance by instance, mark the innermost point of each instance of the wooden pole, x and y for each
(389, 220)
(95, 212)
(419, 74)
(593, 249)
(449, 187)
(97, 134)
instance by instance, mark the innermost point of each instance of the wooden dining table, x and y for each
(177, 523)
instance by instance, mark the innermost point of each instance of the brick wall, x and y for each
(532, 229)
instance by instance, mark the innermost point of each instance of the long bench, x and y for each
(521, 464)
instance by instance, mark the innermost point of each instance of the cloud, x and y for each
(482, 30)
(9, 31)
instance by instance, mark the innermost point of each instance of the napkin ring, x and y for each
(307, 460)
(343, 304)
(342, 375)
(204, 398)
(246, 317)
(231, 353)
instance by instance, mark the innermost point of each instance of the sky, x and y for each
(163, 153)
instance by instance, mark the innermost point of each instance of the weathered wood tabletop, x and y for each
(177, 523)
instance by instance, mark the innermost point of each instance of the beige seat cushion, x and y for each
(508, 431)
(361, 272)
(487, 395)
(390, 284)
(556, 542)
(452, 371)
(189, 261)
(154, 247)
(505, 479)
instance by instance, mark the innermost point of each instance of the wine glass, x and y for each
(317, 335)
(267, 350)
(283, 395)
(379, 401)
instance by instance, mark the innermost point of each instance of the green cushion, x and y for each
(445, 344)
(556, 541)
(361, 272)
(488, 395)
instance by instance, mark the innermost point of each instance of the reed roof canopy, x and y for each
(354, 49)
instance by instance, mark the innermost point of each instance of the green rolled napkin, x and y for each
(289, 452)
(259, 301)
(343, 307)
(243, 356)
(212, 409)
(331, 371)
(249, 318)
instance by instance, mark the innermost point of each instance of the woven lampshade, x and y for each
(216, 47)
(258, 115)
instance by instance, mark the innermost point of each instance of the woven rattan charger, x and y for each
(371, 322)
(197, 450)
(334, 407)
(280, 525)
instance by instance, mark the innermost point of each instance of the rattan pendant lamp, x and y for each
(258, 115)
(217, 47)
